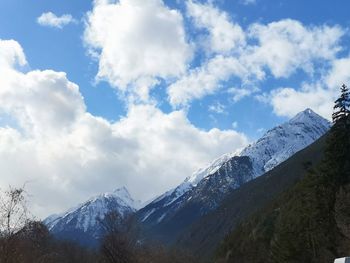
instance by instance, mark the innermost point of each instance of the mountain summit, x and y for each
(281, 142)
(205, 189)
(82, 223)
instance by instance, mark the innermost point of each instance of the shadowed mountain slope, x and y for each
(308, 223)
(204, 236)
(168, 216)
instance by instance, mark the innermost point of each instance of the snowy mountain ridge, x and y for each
(86, 217)
(281, 142)
(274, 147)
(195, 178)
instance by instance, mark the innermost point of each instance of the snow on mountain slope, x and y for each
(192, 181)
(231, 170)
(86, 217)
(197, 176)
(281, 142)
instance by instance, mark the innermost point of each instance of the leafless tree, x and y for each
(117, 246)
(13, 217)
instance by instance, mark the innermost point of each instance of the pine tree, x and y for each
(342, 105)
(337, 154)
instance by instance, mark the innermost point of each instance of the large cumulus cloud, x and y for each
(136, 42)
(65, 154)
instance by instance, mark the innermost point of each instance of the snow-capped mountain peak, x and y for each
(234, 169)
(124, 197)
(281, 142)
(307, 116)
(122, 192)
(85, 217)
(274, 147)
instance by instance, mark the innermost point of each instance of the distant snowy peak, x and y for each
(309, 116)
(85, 216)
(124, 197)
(281, 142)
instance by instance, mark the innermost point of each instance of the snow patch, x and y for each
(148, 214)
(161, 218)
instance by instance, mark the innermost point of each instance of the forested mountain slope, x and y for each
(308, 223)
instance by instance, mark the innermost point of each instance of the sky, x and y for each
(96, 95)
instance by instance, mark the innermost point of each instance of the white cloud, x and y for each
(288, 45)
(319, 96)
(339, 73)
(217, 107)
(66, 154)
(136, 42)
(52, 20)
(139, 43)
(288, 101)
(11, 54)
(224, 35)
(24, 96)
(248, 2)
(278, 49)
(239, 93)
(206, 80)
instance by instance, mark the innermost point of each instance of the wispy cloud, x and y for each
(217, 108)
(248, 2)
(250, 56)
(52, 20)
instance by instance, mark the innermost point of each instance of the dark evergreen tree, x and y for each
(342, 105)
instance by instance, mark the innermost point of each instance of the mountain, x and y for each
(310, 221)
(166, 217)
(204, 236)
(83, 223)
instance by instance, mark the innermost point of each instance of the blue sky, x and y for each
(255, 84)
(63, 50)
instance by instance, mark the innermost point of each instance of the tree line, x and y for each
(25, 240)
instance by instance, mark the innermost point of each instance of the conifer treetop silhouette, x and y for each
(342, 105)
